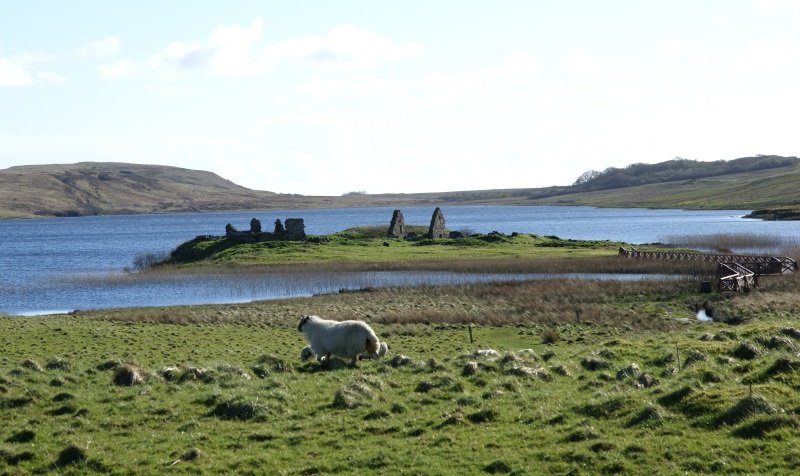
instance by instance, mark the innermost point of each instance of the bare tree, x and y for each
(587, 176)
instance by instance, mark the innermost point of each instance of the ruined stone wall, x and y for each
(295, 229)
(243, 236)
(397, 227)
(437, 229)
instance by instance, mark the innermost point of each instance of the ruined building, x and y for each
(397, 227)
(437, 230)
(295, 230)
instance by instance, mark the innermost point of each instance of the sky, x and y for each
(332, 97)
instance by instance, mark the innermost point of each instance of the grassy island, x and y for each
(557, 376)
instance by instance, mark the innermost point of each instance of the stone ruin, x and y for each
(295, 230)
(397, 227)
(436, 229)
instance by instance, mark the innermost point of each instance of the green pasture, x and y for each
(235, 399)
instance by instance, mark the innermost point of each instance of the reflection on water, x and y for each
(121, 290)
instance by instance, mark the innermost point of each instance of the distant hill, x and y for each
(89, 188)
(750, 183)
(97, 188)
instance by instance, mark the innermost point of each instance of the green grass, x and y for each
(228, 394)
(360, 245)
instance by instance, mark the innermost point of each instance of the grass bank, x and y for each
(360, 246)
(565, 376)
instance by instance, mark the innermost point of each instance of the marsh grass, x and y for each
(742, 243)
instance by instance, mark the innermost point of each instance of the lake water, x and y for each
(43, 261)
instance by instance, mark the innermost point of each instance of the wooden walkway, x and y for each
(734, 272)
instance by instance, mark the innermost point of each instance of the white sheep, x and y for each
(344, 339)
(382, 349)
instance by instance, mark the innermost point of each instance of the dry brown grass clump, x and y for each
(128, 375)
(31, 364)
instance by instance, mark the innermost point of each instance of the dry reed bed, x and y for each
(549, 301)
(593, 265)
(772, 244)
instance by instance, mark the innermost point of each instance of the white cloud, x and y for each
(584, 65)
(227, 52)
(769, 56)
(120, 69)
(51, 77)
(100, 49)
(346, 47)
(358, 86)
(236, 50)
(231, 49)
(671, 47)
(20, 71)
(169, 90)
(444, 90)
(179, 58)
(518, 65)
(13, 74)
(769, 6)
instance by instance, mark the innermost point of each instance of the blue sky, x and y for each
(329, 97)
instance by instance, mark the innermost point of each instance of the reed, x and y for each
(735, 242)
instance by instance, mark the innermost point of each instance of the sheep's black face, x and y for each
(303, 321)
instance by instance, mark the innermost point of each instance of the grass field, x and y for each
(562, 377)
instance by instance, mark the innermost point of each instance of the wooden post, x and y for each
(470, 333)
(678, 356)
(578, 315)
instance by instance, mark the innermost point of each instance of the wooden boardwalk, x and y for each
(734, 272)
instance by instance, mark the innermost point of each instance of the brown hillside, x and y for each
(100, 188)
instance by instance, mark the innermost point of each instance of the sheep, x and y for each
(345, 339)
(382, 349)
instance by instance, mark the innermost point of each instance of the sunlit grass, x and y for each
(624, 386)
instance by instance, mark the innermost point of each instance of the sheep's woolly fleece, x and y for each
(347, 339)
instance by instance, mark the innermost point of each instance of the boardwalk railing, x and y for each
(734, 272)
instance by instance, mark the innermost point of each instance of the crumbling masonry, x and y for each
(295, 230)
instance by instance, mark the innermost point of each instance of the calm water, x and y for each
(39, 258)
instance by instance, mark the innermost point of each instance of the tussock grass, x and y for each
(438, 403)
